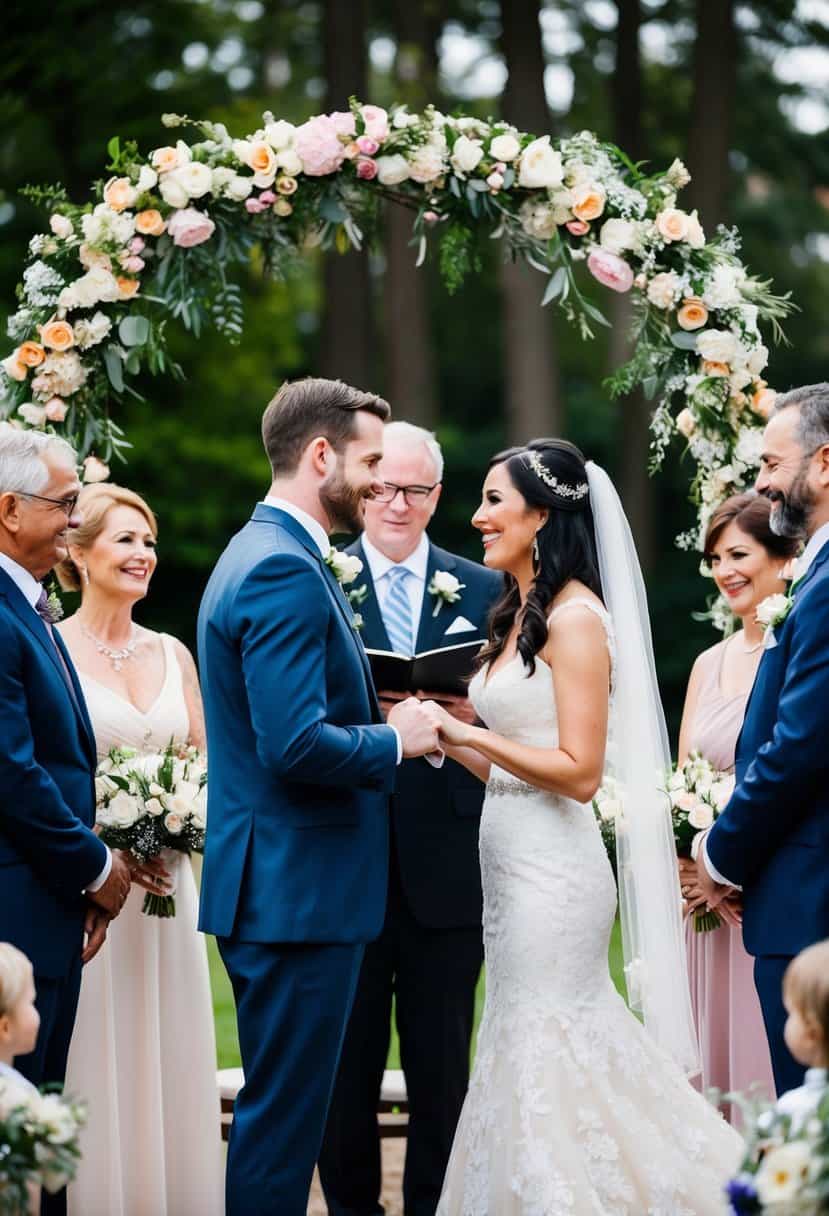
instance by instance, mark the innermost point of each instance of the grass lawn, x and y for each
(224, 1013)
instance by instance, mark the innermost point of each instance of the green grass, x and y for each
(224, 1013)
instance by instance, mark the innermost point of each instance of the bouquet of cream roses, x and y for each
(608, 809)
(697, 793)
(150, 802)
(38, 1143)
(785, 1170)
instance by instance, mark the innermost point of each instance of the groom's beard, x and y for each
(790, 513)
(343, 504)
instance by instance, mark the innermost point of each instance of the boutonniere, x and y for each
(771, 612)
(346, 568)
(445, 588)
(54, 605)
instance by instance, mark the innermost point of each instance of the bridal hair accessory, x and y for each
(575, 492)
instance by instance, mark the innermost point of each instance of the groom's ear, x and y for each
(10, 512)
(822, 459)
(319, 455)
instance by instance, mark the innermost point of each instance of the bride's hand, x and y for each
(452, 731)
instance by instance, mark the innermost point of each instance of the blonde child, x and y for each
(806, 998)
(19, 1024)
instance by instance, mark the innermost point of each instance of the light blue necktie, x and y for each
(397, 612)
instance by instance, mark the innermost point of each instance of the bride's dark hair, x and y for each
(566, 542)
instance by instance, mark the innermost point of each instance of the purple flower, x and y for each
(742, 1195)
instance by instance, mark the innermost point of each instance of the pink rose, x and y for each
(318, 146)
(255, 206)
(377, 122)
(578, 228)
(431, 217)
(267, 197)
(368, 146)
(56, 409)
(495, 181)
(342, 121)
(133, 264)
(137, 244)
(189, 227)
(366, 169)
(610, 270)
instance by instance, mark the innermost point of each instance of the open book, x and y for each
(446, 670)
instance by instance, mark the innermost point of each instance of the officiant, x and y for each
(428, 958)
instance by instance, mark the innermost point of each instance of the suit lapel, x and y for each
(432, 628)
(374, 627)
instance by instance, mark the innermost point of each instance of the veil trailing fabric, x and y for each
(638, 758)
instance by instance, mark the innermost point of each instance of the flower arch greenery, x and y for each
(164, 233)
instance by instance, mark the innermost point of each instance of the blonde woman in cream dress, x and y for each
(143, 1052)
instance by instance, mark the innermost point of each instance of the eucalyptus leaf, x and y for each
(134, 331)
(115, 367)
(555, 287)
(331, 209)
(684, 341)
(132, 363)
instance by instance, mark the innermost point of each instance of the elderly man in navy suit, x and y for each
(429, 954)
(773, 837)
(58, 882)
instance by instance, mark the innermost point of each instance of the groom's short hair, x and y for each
(305, 408)
(812, 402)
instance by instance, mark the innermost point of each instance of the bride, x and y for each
(574, 1108)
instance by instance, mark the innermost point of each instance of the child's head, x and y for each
(19, 1020)
(806, 997)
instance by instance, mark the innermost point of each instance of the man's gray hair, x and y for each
(411, 436)
(22, 468)
(812, 401)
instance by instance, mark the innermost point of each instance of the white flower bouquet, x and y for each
(608, 809)
(38, 1143)
(785, 1170)
(150, 802)
(697, 793)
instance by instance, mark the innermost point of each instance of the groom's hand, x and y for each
(712, 892)
(111, 896)
(95, 928)
(417, 726)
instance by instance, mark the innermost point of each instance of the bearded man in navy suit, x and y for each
(773, 837)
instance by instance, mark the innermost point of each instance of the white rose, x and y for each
(220, 178)
(92, 331)
(279, 134)
(619, 235)
(156, 790)
(721, 792)
(392, 170)
(172, 190)
(695, 235)
(445, 583)
(684, 800)
(663, 289)
(194, 177)
(35, 415)
(609, 808)
(154, 807)
(717, 345)
(541, 165)
(686, 423)
(13, 1095)
(122, 810)
(147, 179)
(61, 226)
(723, 288)
(757, 359)
(55, 1117)
(678, 175)
(174, 823)
(427, 163)
(103, 788)
(239, 187)
(504, 147)
(466, 154)
(289, 162)
(771, 608)
(701, 817)
(676, 782)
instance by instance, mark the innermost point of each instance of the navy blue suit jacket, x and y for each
(773, 837)
(436, 812)
(48, 852)
(301, 764)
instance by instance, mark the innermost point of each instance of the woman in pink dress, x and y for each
(748, 562)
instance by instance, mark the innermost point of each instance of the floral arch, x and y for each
(165, 232)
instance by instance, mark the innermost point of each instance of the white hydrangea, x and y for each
(41, 285)
(107, 227)
(749, 446)
(723, 288)
(19, 324)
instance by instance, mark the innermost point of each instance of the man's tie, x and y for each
(397, 612)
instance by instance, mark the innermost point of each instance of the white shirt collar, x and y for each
(312, 526)
(25, 582)
(814, 546)
(379, 564)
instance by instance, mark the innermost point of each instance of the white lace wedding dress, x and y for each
(572, 1110)
(143, 1052)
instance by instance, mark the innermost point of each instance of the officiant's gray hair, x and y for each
(411, 436)
(813, 423)
(22, 454)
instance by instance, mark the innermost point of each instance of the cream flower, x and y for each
(540, 165)
(717, 345)
(782, 1173)
(619, 235)
(466, 154)
(672, 224)
(504, 147)
(392, 170)
(701, 817)
(588, 201)
(61, 226)
(119, 193)
(663, 289)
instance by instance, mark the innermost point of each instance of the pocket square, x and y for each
(769, 641)
(460, 625)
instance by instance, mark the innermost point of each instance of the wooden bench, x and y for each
(393, 1107)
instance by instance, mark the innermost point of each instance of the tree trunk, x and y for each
(532, 392)
(712, 110)
(410, 363)
(635, 485)
(346, 332)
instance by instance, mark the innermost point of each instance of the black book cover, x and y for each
(445, 670)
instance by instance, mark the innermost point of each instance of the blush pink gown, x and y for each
(732, 1037)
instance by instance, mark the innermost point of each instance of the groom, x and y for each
(773, 837)
(301, 767)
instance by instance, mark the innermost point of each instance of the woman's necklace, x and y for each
(116, 657)
(752, 649)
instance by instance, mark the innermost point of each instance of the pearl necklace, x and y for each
(116, 657)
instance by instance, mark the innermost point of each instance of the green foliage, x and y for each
(459, 255)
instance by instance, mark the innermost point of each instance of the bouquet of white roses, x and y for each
(150, 802)
(697, 793)
(785, 1170)
(608, 809)
(38, 1143)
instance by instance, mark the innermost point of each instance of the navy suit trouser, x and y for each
(57, 1004)
(768, 980)
(292, 1004)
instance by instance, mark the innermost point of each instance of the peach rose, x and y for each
(262, 158)
(57, 334)
(13, 368)
(762, 401)
(126, 287)
(94, 470)
(693, 314)
(55, 409)
(119, 193)
(165, 159)
(30, 354)
(686, 423)
(711, 367)
(150, 222)
(588, 202)
(94, 257)
(672, 224)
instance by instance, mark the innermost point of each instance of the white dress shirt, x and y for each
(815, 543)
(380, 565)
(31, 589)
(320, 538)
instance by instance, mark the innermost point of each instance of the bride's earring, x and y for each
(84, 576)
(536, 554)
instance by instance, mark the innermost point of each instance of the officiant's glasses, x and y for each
(413, 496)
(68, 504)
